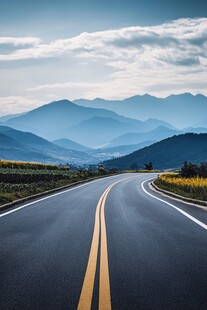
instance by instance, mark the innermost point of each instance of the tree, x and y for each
(149, 166)
(189, 170)
(203, 170)
(101, 169)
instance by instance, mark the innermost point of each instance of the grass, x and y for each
(195, 188)
(18, 179)
(141, 171)
(10, 192)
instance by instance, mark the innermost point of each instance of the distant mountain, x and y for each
(153, 123)
(97, 131)
(53, 121)
(10, 116)
(43, 149)
(180, 110)
(11, 149)
(195, 130)
(71, 145)
(168, 153)
(156, 134)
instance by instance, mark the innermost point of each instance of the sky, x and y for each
(55, 49)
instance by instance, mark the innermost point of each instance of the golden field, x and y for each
(176, 180)
(195, 187)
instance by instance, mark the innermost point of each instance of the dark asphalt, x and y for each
(157, 256)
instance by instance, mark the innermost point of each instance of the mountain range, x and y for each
(90, 126)
(62, 119)
(184, 110)
(64, 131)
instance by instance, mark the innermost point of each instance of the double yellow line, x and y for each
(86, 296)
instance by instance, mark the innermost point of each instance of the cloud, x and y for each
(177, 35)
(17, 104)
(161, 59)
(20, 41)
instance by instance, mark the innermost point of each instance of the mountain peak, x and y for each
(99, 99)
(184, 95)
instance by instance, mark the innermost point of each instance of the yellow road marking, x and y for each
(104, 282)
(88, 284)
(86, 296)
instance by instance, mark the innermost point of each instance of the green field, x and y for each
(19, 179)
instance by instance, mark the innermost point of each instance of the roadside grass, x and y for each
(10, 192)
(22, 179)
(141, 171)
(19, 180)
(195, 188)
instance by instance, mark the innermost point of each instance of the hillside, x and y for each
(13, 150)
(71, 145)
(168, 153)
(32, 147)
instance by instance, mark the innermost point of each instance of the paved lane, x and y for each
(154, 256)
(158, 257)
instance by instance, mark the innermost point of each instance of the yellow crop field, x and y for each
(191, 182)
(29, 165)
(195, 187)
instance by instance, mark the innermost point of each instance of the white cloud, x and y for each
(183, 35)
(20, 41)
(162, 59)
(17, 104)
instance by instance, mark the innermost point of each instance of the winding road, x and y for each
(112, 243)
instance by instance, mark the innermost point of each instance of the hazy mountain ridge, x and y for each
(9, 116)
(156, 134)
(52, 120)
(88, 126)
(182, 110)
(98, 130)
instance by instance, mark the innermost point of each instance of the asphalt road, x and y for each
(109, 244)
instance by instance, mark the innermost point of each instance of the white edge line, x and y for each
(53, 195)
(176, 208)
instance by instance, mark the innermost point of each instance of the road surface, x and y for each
(109, 244)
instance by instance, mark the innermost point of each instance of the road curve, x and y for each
(112, 243)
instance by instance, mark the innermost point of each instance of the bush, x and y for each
(190, 170)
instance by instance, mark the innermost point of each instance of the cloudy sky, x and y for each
(54, 49)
